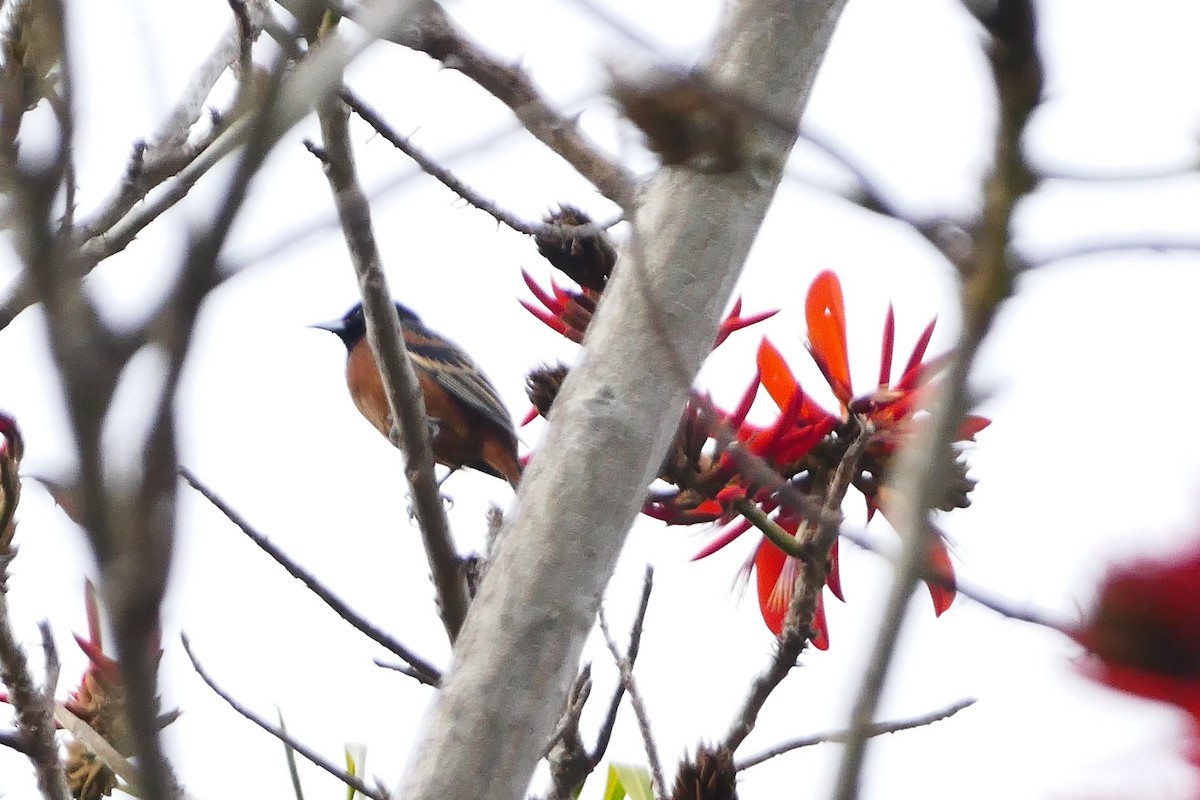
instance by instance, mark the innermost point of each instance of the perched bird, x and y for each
(472, 428)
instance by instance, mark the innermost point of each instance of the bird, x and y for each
(471, 427)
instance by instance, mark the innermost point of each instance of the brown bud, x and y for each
(711, 776)
(542, 385)
(88, 777)
(685, 119)
(586, 257)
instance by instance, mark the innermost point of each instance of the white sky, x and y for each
(1089, 378)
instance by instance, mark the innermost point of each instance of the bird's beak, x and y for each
(333, 326)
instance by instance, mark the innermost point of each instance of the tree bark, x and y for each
(613, 420)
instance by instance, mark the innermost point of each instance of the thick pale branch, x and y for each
(611, 425)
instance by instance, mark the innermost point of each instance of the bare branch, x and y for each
(639, 707)
(421, 669)
(1017, 72)
(567, 730)
(1076, 175)
(878, 729)
(1156, 244)
(570, 764)
(405, 401)
(451, 182)
(631, 654)
(978, 595)
(301, 748)
(34, 711)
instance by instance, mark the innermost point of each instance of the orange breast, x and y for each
(463, 438)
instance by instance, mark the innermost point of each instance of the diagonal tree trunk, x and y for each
(614, 419)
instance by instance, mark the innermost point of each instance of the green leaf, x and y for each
(628, 780)
(356, 764)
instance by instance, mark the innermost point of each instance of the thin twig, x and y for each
(1159, 245)
(981, 596)
(570, 763)
(631, 654)
(454, 184)
(422, 670)
(1017, 72)
(870, 195)
(1085, 175)
(405, 669)
(639, 707)
(246, 35)
(405, 401)
(877, 729)
(568, 725)
(295, 744)
(52, 666)
(15, 740)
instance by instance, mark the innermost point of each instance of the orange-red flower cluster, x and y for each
(892, 409)
(720, 461)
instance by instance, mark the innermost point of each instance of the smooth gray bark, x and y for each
(612, 423)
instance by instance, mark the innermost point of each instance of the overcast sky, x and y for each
(1089, 377)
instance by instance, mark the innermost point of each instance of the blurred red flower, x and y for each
(1143, 635)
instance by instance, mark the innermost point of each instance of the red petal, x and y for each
(726, 535)
(553, 322)
(923, 374)
(545, 299)
(826, 315)
(972, 425)
(674, 516)
(886, 349)
(754, 319)
(563, 296)
(775, 375)
(918, 352)
(820, 637)
(834, 580)
(768, 567)
(738, 416)
(797, 442)
(942, 591)
(768, 442)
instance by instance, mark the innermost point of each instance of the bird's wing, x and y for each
(454, 371)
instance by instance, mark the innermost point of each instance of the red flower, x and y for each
(1144, 632)
(891, 409)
